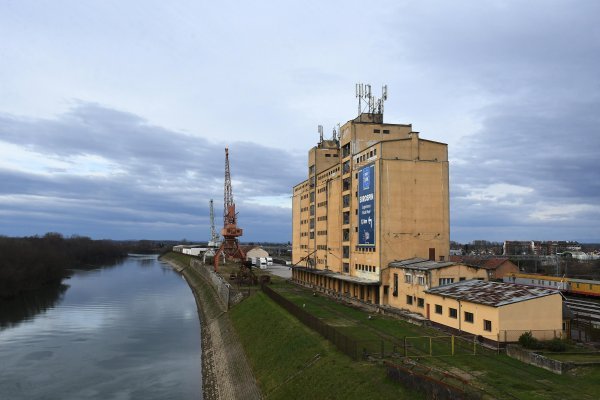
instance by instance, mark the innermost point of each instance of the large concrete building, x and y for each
(375, 194)
(371, 224)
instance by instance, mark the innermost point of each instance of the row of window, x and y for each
(364, 249)
(322, 218)
(323, 189)
(331, 155)
(321, 247)
(320, 233)
(322, 204)
(420, 301)
(467, 316)
(379, 131)
(367, 155)
(366, 268)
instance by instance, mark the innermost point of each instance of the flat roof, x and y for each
(420, 263)
(495, 294)
(331, 274)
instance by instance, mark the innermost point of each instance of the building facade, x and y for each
(375, 194)
(498, 312)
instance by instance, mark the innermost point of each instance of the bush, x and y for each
(528, 341)
(556, 345)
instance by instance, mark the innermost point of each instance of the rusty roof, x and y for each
(495, 294)
(481, 262)
(420, 264)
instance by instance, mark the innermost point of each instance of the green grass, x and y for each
(574, 357)
(497, 375)
(292, 362)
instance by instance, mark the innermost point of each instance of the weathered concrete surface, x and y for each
(226, 373)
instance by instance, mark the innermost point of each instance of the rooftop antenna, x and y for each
(320, 128)
(374, 106)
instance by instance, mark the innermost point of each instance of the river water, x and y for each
(129, 331)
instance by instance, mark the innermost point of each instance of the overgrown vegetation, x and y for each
(32, 262)
(529, 342)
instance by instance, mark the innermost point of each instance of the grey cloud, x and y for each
(163, 182)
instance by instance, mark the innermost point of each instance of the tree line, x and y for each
(32, 262)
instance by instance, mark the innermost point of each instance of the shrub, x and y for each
(528, 341)
(556, 345)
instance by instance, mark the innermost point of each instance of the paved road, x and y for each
(280, 270)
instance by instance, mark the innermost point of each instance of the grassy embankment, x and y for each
(291, 361)
(497, 375)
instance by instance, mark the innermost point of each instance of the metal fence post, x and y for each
(405, 353)
(452, 341)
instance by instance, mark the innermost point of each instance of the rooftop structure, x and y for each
(493, 294)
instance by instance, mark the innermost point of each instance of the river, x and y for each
(129, 331)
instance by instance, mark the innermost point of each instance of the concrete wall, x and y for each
(538, 360)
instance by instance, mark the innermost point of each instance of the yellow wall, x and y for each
(542, 316)
(431, 278)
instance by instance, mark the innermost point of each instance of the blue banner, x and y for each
(366, 206)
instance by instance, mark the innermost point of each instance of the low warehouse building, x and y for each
(496, 311)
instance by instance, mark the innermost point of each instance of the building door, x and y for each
(432, 254)
(427, 310)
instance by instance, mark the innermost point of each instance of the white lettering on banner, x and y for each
(365, 197)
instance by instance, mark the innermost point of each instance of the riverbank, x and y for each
(226, 373)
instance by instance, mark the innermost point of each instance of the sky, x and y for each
(114, 115)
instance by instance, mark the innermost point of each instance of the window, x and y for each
(487, 325)
(469, 317)
(446, 281)
(409, 300)
(386, 131)
(462, 278)
(346, 184)
(346, 251)
(346, 217)
(420, 302)
(376, 131)
(452, 313)
(346, 200)
(346, 235)
(346, 267)
(312, 235)
(395, 292)
(346, 167)
(421, 280)
(438, 309)
(407, 278)
(312, 197)
(346, 150)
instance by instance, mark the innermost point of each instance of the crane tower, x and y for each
(230, 246)
(214, 236)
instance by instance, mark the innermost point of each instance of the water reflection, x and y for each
(126, 332)
(28, 304)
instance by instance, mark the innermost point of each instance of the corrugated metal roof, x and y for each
(331, 274)
(495, 294)
(419, 263)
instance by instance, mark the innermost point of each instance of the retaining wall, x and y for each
(536, 359)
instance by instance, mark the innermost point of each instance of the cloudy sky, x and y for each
(114, 115)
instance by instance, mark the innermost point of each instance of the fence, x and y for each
(345, 344)
(584, 329)
(228, 295)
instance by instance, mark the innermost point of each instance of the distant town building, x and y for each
(538, 248)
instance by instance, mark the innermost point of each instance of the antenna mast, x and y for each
(374, 105)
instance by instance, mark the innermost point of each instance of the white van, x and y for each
(269, 260)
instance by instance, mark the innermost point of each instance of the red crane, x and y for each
(230, 247)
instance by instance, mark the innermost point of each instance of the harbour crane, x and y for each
(230, 246)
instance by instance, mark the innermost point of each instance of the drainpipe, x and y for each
(459, 314)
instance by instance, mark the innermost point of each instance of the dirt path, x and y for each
(226, 373)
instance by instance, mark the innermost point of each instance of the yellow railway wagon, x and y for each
(584, 286)
(545, 281)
